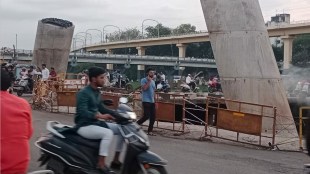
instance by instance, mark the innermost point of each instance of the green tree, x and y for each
(152, 31)
(127, 34)
(184, 28)
(301, 51)
(278, 52)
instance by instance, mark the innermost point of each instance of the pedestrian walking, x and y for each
(148, 101)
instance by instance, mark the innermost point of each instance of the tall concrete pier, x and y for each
(246, 62)
(53, 43)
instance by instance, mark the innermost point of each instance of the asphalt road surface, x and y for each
(194, 157)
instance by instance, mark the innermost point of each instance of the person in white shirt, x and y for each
(84, 79)
(163, 76)
(23, 73)
(188, 79)
(45, 73)
(190, 82)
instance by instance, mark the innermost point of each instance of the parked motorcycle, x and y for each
(22, 86)
(64, 151)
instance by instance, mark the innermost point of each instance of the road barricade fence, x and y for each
(219, 118)
(247, 123)
(304, 122)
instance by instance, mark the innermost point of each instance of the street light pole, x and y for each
(150, 20)
(119, 30)
(95, 30)
(16, 47)
(84, 36)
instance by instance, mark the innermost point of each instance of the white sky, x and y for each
(21, 16)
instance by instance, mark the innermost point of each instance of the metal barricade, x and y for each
(167, 106)
(301, 118)
(241, 118)
(169, 110)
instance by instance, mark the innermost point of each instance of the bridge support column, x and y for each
(141, 51)
(109, 66)
(247, 66)
(182, 49)
(288, 52)
(140, 71)
(109, 51)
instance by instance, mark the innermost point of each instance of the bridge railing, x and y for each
(131, 57)
(182, 34)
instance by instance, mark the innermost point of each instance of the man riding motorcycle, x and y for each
(90, 114)
(190, 82)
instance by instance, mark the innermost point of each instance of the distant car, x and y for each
(176, 79)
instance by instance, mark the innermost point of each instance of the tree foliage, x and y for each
(301, 51)
(184, 28)
(128, 34)
(159, 29)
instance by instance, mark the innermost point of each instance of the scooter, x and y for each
(64, 151)
(22, 86)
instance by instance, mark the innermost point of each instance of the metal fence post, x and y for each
(274, 126)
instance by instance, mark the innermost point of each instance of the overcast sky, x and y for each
(21, 16)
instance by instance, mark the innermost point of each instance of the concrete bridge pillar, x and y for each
(247, 66)
(182, 49)
(141, 51)
(140, 71)
(288, 51)
(109, 51)
(109, 66)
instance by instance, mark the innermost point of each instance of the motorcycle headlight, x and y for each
(132, 115)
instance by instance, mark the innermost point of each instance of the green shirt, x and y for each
(88, 106)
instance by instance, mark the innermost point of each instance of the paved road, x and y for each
(194, 157)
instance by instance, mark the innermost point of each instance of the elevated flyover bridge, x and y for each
(129, 60)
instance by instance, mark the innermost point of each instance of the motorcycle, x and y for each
(214, 86)
(64, 151)
(120, 81)
(22, 86)
(163, 87)
(186, 88)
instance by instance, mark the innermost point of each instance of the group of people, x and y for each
(44, 73)
(29, 74)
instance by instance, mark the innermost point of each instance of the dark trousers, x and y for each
(149, 113)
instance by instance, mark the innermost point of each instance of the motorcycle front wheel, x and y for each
(155, 170)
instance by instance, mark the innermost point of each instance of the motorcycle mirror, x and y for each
(123, 100)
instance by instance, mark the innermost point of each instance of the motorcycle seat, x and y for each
(84, 142)
(71, 134)
(75, 138)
